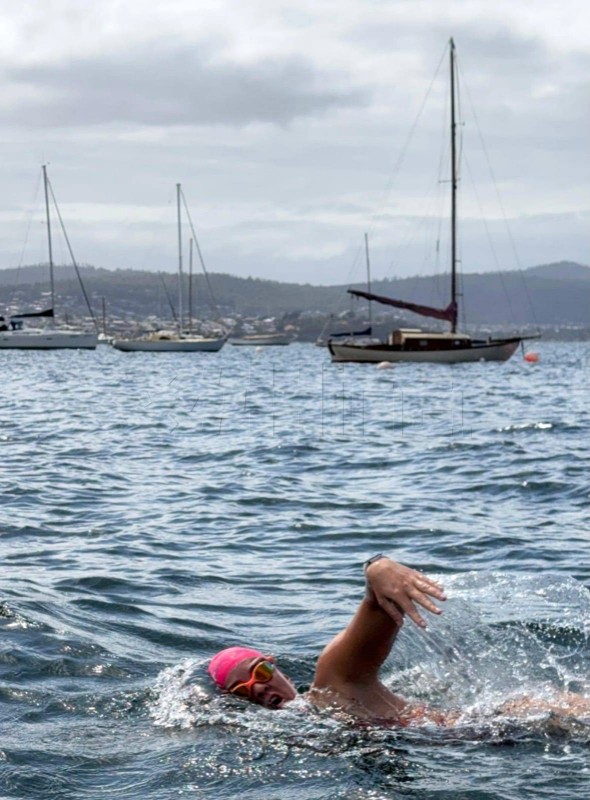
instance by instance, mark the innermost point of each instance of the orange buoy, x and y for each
(532, 358)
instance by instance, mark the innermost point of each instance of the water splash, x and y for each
(501, 638)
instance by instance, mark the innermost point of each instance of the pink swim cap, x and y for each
(223, 662)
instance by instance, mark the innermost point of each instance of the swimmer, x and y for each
(347, 671)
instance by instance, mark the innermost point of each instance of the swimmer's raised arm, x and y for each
(355, 655)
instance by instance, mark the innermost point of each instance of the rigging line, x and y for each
(461, 284)
(174, 316)
(500, 203)
(355, 262)
(398, 164)
(419, 222)
(424, 216)
(439, 198)
(63, 228)
(458, 84)
(407, 142)
(491, 243)
(338, 303)
(202, 262)
(403, 152)
(438, 209)
(35, 197)
(458, 178)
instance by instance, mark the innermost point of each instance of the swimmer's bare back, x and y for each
(393, 711)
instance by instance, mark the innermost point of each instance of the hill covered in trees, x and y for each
(547, 295)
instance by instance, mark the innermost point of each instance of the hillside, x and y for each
(550, 294)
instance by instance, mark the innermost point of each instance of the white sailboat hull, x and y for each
(47, 340)
(262, 340)
(500, 350)
(169, 345)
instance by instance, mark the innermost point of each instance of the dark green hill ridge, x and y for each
(549, 294)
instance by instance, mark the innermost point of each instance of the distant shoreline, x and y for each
(553, 297)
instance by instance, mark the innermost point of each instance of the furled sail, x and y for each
(449, 313)
(48, 312)
(366, 332)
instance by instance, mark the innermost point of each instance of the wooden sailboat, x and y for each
(415, 345)
(13, 333)
(170, 341)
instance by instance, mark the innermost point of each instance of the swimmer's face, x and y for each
(273, 693)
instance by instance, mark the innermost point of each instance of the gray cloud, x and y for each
(304, 153)
(498, 62)
(174, 86)
(525, 97)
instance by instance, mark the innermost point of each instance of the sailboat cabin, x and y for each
(416, 339)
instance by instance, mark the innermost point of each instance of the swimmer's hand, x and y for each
(398, 589)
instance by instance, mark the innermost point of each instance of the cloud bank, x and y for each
(286, 122)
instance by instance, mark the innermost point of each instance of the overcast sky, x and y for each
(294, 127)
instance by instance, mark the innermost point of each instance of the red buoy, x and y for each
(532, 358)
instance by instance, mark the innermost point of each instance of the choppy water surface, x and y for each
(157, 507)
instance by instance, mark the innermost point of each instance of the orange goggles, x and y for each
(261, 672)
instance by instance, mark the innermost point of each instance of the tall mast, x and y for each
(190, 288)
(50, 248)
(179, 259)
(368, 274)
(453, 183)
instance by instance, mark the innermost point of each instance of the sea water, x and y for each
(158, 507)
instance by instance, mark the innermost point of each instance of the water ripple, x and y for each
(155, 509)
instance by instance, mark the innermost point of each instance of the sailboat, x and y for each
(171, 341)
(415, 345)
(15, 336)
(364, 336)
(262, 339)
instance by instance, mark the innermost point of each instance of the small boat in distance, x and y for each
(415, 345)
(174, 341)
(169, 342)
(364, 336)
(13, 333)
(262, 340)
